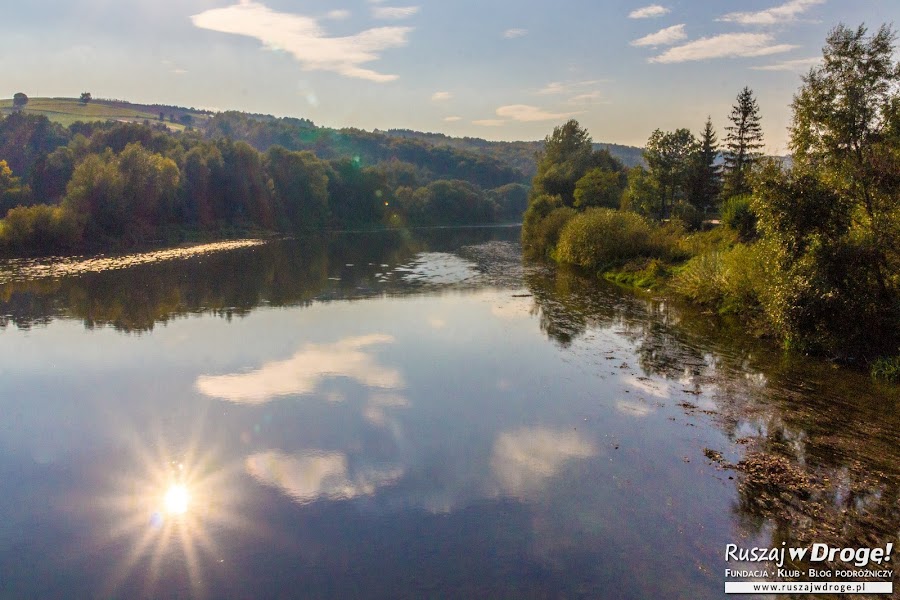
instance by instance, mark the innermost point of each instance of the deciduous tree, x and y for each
(668, 155)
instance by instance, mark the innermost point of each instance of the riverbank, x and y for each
(727, 272)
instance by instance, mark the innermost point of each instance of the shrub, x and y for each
(542, 223)
(599, 237)
(730, 280)
(739, 217)
(828, 301)
(702, 279)
(689, 214)
(699, 242)
(887, 368)
(40, 228)
(667, 241)
(547, 232)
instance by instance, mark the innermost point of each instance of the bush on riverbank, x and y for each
(40, 227)
(729, 280)
(601, 236)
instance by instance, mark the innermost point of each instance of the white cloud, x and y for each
(337, 15)
(179, 71)
(303, 38)
(514, 33)
(777, 15)
(634, 409)
(452, 119)
(374, 412)
(526, 113)
(647, 12)
(799, 64)
(663, 37)
(394, 12)
(554, 87)
(522, 113)
(440, 96)
(645, 386)
(560, 87)
(586, 98)
(309, 476)
(302, 373)
(525, 459)
(723, 46)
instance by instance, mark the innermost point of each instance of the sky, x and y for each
(495, 69)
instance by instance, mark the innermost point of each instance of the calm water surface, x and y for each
(413, 415)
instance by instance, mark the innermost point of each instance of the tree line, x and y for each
(93, 185)
(809, 251)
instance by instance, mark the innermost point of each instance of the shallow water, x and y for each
(408, 415)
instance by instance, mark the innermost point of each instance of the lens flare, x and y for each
(163, 506)
(176, 500)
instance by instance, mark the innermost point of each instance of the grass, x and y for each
(887, 369)
(648, 274)
(66, 111)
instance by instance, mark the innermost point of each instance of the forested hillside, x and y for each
(521, 155)
(102, 184)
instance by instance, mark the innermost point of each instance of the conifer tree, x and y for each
(743, 144)
(706, 175)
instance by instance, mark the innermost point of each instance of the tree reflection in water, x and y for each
(281, 273)
(821, 444)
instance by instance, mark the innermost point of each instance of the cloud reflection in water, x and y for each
(303, 372)
(311, 476)
(525, 459)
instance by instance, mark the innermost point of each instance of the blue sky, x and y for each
(497, 69)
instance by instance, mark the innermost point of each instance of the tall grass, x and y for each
(731, 280)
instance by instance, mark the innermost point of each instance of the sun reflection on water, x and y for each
(165, 512)
(177, 499)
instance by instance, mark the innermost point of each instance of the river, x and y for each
(411, 415)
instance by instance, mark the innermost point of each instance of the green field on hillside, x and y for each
(66, 111)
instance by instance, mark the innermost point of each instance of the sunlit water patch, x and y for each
(30, 269)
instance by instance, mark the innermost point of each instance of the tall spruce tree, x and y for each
(706, 176)
(743, 144)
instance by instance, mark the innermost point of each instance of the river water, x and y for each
(410, 415)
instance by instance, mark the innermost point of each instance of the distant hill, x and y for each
(519, 154)
(66, 111)
(482, 161)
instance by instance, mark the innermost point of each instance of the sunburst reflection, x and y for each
(177, 499)
(165, 511)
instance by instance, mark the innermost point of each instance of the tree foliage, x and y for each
(833, 221)
(705, 177)
(599, 187)
(669, 156)
(846, 129)
(743, 144)
(567, 156)
(19, 100)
